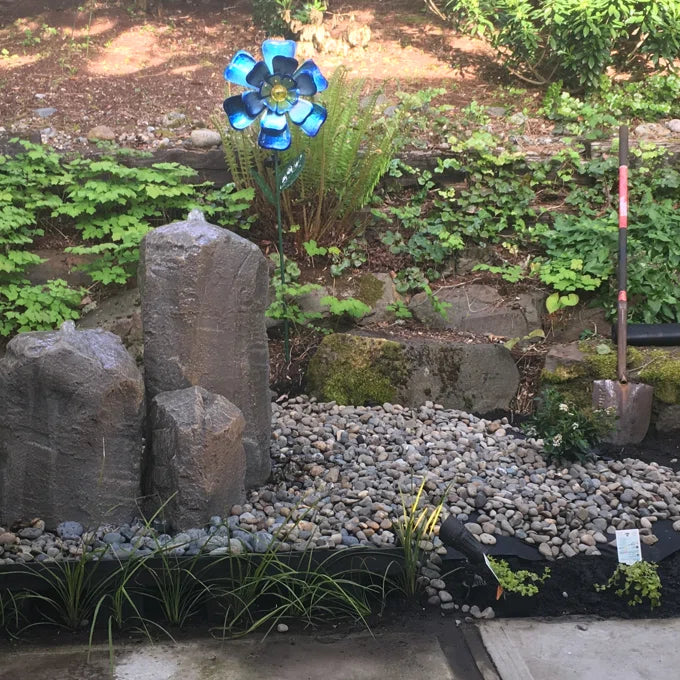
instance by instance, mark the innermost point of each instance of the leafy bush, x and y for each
(595, 116)
(101, 204)
(571, 40)
(343, 165)
(568, 432)
(638, 581)
(522, 582)
(580, 247)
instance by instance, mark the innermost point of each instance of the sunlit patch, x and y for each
(132, 51)
(185, 70)
(96, 28)
(12, 61)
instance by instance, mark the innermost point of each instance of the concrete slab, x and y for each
(580, 649)
(397, 656)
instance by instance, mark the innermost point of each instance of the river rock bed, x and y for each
(341, 475)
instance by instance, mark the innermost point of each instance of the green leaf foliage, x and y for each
(575, 41)
(102, 205)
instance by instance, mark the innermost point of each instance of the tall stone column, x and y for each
(204, 295)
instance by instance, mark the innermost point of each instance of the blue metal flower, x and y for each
(275, 86)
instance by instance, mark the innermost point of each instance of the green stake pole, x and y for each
(282, 260)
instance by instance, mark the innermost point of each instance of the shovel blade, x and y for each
(633, 404)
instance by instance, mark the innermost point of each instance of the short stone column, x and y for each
(198, 464)
(71, 428)
(204, 295)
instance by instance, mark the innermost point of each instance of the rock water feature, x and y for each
(198, 460)
(71, 427)
(72, 437)
(204, 294)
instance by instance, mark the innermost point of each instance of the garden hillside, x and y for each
(466, 144)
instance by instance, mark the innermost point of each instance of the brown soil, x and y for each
(102, 63)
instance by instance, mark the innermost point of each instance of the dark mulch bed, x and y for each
(570, 590)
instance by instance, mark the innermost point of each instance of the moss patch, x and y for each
(657, 367)
(369, 289)
(662, 371)
(357, 370)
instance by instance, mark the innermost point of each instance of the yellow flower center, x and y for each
(279, 93)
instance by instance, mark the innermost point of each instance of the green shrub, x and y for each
(572, 40)
(568, 432)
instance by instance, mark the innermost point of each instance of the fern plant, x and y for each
(343, 165)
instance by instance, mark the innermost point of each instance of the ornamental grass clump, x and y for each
(414, 529)
(568, 432)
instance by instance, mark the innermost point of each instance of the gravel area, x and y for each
(341, 474)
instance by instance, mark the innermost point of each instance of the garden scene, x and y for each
(352, 322)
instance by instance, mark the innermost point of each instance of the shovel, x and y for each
(632, 401)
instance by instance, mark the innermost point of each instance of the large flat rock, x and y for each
(481, 309)
(361, 369)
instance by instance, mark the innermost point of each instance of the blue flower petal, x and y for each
(284, 66)
(300, 111)
(272, 48)
(312, 124)
(274, 121)
(274, 139)
(241, 65)
(312, 70)
(306, 84)
(236, 111)
(253, 103)
(258, 74)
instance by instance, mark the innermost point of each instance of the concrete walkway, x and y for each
(419, 649)
(582, 649)
(416, 651)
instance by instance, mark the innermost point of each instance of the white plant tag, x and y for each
(488, 564)
(628, 546)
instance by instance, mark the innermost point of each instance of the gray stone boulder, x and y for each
(198, 464)
(120, 314)
(481, 309)
(71, 428)
(361, 369)
(204, 296)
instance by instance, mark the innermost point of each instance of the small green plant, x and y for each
(568, 432)
(400, 310)
(264, 590)
(597, 115)
(639, 582)
(522, 582)
(71, 590)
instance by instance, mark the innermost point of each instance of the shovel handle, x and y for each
(622, 306)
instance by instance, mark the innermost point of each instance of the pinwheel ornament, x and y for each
(275, 91)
